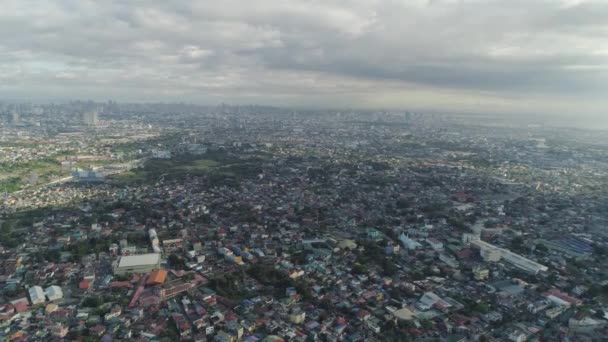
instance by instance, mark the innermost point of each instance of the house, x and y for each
(53, 293)
(373, 234)
(36, 295)
(297, 317)
(115, 312)
(435, 244)
(481, 273)
(373, 325)
(183, 325)
(97, 330)
(516, 335)
(21, 304)
(235, 329)
(561, 299)
(223, 336)
(363, 315)
(430, 300)
(85, 284)
(409, 243)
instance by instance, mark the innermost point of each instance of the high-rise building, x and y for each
(15, 118)
(90, 118)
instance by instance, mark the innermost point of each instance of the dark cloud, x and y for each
(356, 52)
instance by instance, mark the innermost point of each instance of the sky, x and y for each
(512, 56)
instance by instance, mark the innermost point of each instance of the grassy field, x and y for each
(220, 167)
(15, 176)
(156, 168)
(198, 165)
(11, 184)
(129, 177)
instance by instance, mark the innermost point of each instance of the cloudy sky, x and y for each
(450, 55)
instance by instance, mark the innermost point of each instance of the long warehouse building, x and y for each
(142, 263)
(492, 253)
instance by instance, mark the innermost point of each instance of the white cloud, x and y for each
(326, 52)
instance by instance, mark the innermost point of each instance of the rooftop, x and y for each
(138, 260)
(157, 277)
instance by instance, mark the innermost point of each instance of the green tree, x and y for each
(517, 244)
(359, 269)
(388, 267)
(540, 247)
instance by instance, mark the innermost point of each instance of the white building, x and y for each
(197, 149)
(409, 243)
(488, 252)
(429, 299)
(161, 154)
(90, 118)
(53, 293)
(491, 253)
(557, 301)
(81, 175)
(435, 244)
(449, 260)
(142, 263)
(586, 324)
(154, 240)
(467, 238)
(517, 336)
(297, 317)
(523, 263)
(36, 295)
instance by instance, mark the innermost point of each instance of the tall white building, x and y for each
(15, 119)
(90, 118)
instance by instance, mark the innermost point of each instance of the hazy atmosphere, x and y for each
(303, 170)
(475, 56)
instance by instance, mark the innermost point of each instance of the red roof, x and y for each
(98, 329)
(157, 277)
(121, 284)
(557, 293)
(463, 195)
(231, 316)
(363, 313)
(464, 253)
(440, 307)
(85, 284)
(369, 294)
(21, 305)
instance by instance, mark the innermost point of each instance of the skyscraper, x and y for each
(15, 119)
(89, 118)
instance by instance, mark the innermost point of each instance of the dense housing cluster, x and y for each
(260, 224)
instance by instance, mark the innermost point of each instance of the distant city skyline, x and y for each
(543, 57)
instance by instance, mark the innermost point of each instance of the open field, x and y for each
(155, 168)
(15, 176)
(220, 167)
